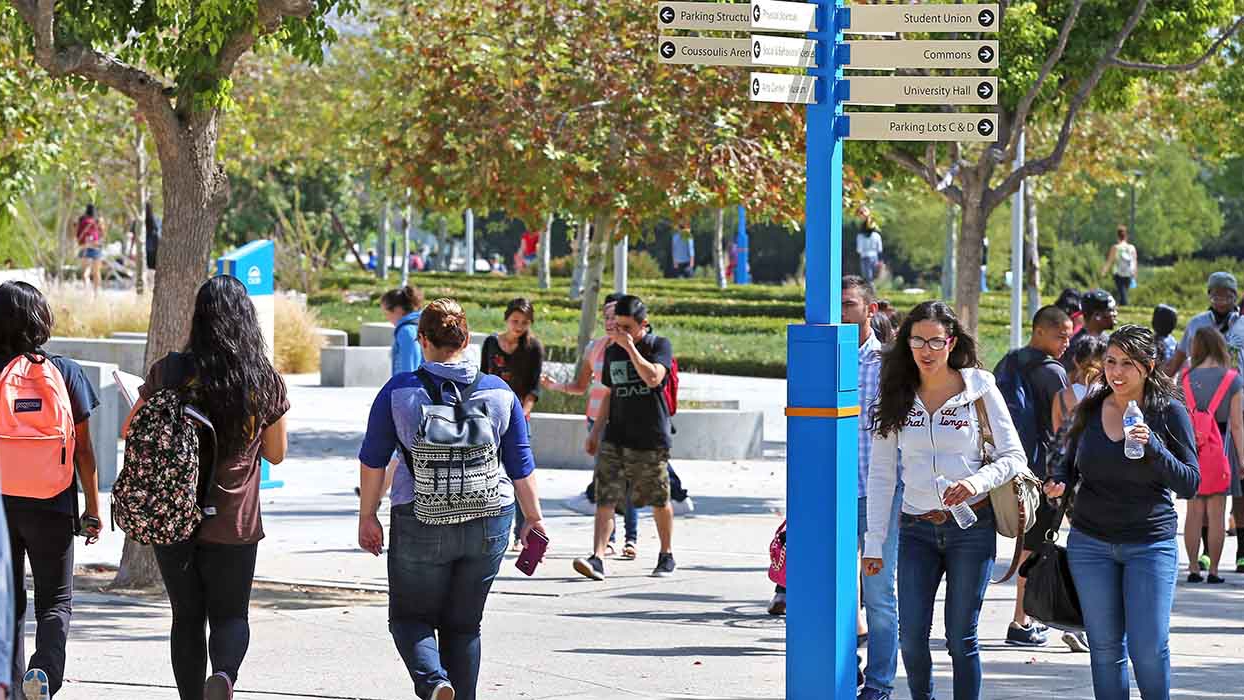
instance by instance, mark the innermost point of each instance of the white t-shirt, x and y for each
(868, 245)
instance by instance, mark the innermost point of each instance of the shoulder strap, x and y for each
(1227, 380)
(429, 385)
(982, 416)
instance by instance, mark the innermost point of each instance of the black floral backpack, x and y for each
(160, 494)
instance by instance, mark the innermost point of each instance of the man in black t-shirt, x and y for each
(632, 435)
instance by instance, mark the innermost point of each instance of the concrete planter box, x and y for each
(128, 335)
(717, 435)
(105, 420)
(353, 367)
(126, 354)
(376, 335)
(333, 338)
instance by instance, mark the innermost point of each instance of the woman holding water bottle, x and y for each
(930, 405)
(1130, 446)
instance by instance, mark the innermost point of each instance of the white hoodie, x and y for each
(947, 443)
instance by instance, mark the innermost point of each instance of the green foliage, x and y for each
(1182, 285)
(1070, 265)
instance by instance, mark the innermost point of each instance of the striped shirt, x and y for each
(870, 379)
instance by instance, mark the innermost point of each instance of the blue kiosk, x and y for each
(254, 264)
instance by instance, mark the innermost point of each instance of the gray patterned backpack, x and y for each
(454, 460)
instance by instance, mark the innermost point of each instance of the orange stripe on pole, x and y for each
(841, 412)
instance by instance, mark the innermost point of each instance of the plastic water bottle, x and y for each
(964, 515)
(1132, 417)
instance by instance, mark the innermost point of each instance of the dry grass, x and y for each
(297, 342)
(79, 314)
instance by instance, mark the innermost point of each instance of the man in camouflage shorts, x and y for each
(632, 435)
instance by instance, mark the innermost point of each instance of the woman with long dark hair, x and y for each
(929, 406)
(1122, 549)
(42, 527)
(224, 371)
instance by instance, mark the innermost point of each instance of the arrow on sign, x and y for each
(755, 86)
(985, 54)
(986, 18)
(667, 14)
(668, 50)
(984, 91)
(984, 127)
(756, 50)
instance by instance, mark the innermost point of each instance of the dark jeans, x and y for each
(439, 578)
(207, 584)
(1121, 287)
(47, 538)
(926, 554)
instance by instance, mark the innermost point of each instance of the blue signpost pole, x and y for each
(742, 271)
(822, 414)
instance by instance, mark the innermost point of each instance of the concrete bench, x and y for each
(716, 435)
(127, 354)
(333, 337)
(354, 366)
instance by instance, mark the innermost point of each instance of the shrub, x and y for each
(80, 315)
(1182, 285)
(297, 344)
(1075, 266)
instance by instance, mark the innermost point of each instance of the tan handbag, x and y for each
(1015, 503)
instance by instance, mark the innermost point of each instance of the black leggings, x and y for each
(207, 583)
(47, 538)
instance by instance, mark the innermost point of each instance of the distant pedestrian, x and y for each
(1069, 302)
(1222, 314)
(1122, 549)
(1165, 318)
(528, 246)
(869, 247)
(928, 407)
(155, 229)
(1100, 315)
(208, 578)
(1122, 258)
(90, 237)
(444, 554)
(682, 246)
(40, 487)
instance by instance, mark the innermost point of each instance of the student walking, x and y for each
(1213, 388)
(445, 554)
(632, 436)
(929, 407)
(1086, 363)
(40, 491)
(1122, 549)
(224, 371)
(869, 246)
(1222, 314)
(1100, 315)
(1165, 318)
(90, 237)
(1122, 258)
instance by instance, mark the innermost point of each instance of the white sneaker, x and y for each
(1076, 641)
(444, 691)
(580, 504)
(685, 507)
(35, 685)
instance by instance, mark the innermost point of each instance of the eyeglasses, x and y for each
(916, 343)
(1223, 296)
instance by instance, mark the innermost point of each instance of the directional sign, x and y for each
(923, 54)
(923, 18)
(780, 16)
(922, 90)
(713, 16)
(783, 51)
(774, 87)
(886, 126)
(715, 52)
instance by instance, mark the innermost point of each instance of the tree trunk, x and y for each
(140, 231)
(542, 255)
(406, 243)
(196, 191)
(948, 258)
(971, 233)
(1032, 254)
(581, 253)
(719, 241)
(603, 229)
(382, 245)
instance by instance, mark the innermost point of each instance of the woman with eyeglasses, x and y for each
(929, 405)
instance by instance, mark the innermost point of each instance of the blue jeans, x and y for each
(439, 578)
(1126, 591)
(881, 603)
(926, 553)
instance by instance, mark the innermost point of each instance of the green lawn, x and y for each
(741, 330)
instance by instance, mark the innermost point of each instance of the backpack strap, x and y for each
(430, 386)
(1225, 385)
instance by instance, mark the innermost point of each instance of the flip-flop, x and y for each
(629, 552)
(610, 551)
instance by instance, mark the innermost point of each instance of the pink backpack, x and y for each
(37, 438)
(1215, 467)
(777, 556)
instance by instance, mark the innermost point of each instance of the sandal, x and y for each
(629, 552)
(610, 551)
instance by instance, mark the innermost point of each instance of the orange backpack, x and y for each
(37, 438)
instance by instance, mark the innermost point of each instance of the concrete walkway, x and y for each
(702, 634)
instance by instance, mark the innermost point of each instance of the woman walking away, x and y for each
(90, 237)
(40, 492)
(1122, 258)
(445, 554)
(225, 372)
(516, 356)
(1122, 549)
(933, 399)
(1214, 392)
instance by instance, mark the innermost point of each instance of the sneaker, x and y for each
(1022, 636)
(867, 693)
(1076, 641)
(35, 685)
(444, 691)
(218, 687)
(580, 504)
(665, 565)
(777, 606)
(591, 567)
(1203, 560)
(1040, 627)
(684, 507)
(1215, 579)
(1194, 577)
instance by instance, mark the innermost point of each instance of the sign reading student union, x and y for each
(699, 50)
(705, 16)
(921, 90)
(898, 126)
(878, 54)
(923, 18)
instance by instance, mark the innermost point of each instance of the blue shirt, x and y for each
(683, 249)
(406, 354)
(398, 411)
(869, 381)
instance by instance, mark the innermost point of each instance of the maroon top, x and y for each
(236, 491)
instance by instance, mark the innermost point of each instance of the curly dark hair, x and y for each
(237, 384)
(900, 377)
(26, 320)
(1138, 343)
